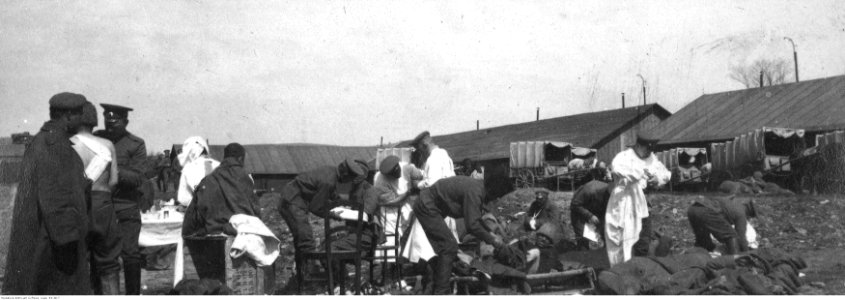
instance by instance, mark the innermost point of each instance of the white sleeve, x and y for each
(659, 170)
(624, 167)
(438, 166)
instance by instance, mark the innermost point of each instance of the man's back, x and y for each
(592, 196)
(227, 191)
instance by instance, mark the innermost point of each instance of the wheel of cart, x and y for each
(525, 178)
(533, 162)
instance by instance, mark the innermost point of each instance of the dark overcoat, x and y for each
(50, 210)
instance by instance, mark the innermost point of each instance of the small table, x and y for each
(158, 231)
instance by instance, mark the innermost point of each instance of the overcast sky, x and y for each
(350, 72)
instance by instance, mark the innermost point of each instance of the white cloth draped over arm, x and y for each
(656, 168)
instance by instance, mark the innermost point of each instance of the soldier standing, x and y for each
(131, 153)
(98, 157)
(47, 253)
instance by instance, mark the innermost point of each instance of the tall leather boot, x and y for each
(132, 278)
(95, 278)
(110, 284)
(442, 274)
(731, 246)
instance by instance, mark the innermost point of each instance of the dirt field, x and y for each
(810, 226)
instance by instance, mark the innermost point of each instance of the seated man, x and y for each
(544, 214)
(227, 191)
(588, 206)
(395, 178)
(723, 217)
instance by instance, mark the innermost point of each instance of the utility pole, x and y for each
(794, 56)
(641, 77)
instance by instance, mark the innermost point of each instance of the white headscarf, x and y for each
(192, 148)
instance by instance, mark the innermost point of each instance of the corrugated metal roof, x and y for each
(293, 158)
(813, 105)
(585, 130)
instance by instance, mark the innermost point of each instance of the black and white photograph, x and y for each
(437, 147)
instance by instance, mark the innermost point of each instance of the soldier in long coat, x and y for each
(47, 251)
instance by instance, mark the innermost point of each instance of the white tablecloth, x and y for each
(158, 231)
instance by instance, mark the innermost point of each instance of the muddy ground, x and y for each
(809, 226)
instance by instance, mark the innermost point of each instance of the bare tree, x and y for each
(775, 71)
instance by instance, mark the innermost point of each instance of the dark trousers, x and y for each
(441, 239)
(129, 228)
(295, 213)
(641, 247)
(706, 221)
(103, 239)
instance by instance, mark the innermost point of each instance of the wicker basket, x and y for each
(242, 275)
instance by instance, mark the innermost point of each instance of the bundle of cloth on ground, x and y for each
(752, 185)
(766, 271)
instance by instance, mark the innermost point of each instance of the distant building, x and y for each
(274, 165)
(817, 106)
(609, 132)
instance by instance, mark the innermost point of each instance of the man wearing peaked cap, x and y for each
(131, 153)
(312, 192)
(627, 223)
(100, 161)
(648, 141)
(48, 254)
(395, 180)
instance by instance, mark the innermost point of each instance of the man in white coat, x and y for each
(196, 164)
(633, 170)
(436, 165)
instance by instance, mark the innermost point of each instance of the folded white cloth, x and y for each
(254, 239)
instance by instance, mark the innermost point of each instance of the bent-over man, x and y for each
(311, 192)
(456, 197)
(723, 217)
(588, 206)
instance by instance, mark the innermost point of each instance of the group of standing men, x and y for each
(76, 212)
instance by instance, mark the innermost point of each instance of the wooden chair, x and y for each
(385, 249)
(333, 257)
